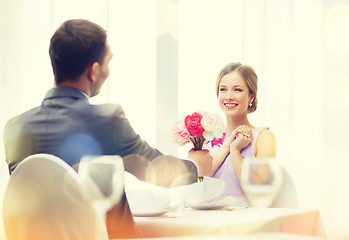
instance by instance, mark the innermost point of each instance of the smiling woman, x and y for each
(236, 90)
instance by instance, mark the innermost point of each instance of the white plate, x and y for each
(225, 202)
(149, 214)
(208, 206)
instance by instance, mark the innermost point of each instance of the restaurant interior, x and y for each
(167, 55)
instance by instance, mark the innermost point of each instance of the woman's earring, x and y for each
(250, 104)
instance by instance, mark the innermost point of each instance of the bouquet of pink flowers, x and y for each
(198, 128)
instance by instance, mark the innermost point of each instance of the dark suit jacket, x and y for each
(68, 126)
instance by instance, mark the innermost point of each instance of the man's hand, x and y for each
(204, 160)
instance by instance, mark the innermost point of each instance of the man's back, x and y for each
(68, 126)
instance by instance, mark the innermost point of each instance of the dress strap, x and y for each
(250, 149)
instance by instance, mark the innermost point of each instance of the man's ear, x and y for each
(92, 71)
(252, 99)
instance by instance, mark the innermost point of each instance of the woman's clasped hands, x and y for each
(240, 138)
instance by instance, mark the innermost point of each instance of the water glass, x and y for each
(261, 180)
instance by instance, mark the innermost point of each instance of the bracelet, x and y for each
(200, 178)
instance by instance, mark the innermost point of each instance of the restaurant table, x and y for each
(250, 236)
(190, 222)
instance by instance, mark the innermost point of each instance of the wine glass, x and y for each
(103, 181)
(261, 179)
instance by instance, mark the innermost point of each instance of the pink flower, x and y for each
(218, 141)
(198, 128)
(179, 133)
(193, 124)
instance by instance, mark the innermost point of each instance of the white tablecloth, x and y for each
(243, 221)
(251, 236)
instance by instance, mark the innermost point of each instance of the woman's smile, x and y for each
(230, 106)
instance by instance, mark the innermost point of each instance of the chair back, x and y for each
(44, 200)
(287, 196)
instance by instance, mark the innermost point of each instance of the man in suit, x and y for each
(68, 126)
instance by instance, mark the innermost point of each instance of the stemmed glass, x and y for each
(261, 180)
(103, 181)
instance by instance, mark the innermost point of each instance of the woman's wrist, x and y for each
(235, 152)
(225, 148)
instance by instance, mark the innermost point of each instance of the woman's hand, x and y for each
(244, 130)
(238, 140)
(241, 137)
(240, 143)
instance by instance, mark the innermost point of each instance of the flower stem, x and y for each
(198, 142)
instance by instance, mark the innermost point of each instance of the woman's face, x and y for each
(233, 95)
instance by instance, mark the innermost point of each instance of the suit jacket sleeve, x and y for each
(137, 154)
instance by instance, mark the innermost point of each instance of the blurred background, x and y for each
(167, 55)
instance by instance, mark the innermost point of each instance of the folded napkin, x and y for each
(206, 191)
(145, 197)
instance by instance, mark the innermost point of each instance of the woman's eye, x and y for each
(222, 89)
(238, 90)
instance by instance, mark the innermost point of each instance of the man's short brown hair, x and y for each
(74, 46)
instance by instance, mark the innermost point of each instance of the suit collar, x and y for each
(58, 92)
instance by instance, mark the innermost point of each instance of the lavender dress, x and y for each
(226, 171)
